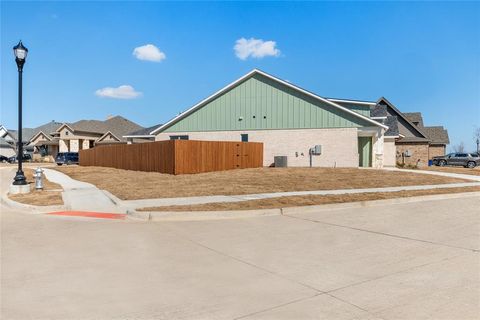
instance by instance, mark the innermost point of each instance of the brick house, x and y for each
(86, 134)
(438, 135)
(415, 143)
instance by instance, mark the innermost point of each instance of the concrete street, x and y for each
(405, 261)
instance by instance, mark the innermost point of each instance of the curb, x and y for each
(159, 216)
(31, 208)
(200, 215)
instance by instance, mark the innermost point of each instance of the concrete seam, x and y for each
(278, 306)
(245, 262)
(395, 273)
(383, 234)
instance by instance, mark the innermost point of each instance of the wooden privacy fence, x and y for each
(176, 156)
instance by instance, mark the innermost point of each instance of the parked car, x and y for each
(467, 160)
(3, 159)
(66, 158)
(27, 157)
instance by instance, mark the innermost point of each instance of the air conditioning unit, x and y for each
(280, 161)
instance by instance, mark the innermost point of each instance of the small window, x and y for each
(184, 137)
(461, 155)
(244, 137)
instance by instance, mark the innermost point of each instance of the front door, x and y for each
(364, 151)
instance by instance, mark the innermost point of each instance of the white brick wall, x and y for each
(339, 146)
(74, 145)
(63, 147)
(389, 151)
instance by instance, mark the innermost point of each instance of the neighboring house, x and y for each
(45, 141)
(32, 138)
(288, 120)
(437, 134)
(7, 143)
(85, 134)
(142, 135)
(414, 144)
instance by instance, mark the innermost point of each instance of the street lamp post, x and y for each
(20, 56)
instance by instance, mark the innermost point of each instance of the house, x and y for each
(45, 141)
(414, 143)
(289, 120)
(31, 136)
(142, 135)
(437, 134)
(7, 143)
(85, 134)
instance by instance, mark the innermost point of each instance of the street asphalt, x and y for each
(399, 261)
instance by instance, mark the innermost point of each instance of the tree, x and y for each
(460, 148)
(476, 137)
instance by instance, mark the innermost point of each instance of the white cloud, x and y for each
(149, 52)
(121, 92)
(255, 48)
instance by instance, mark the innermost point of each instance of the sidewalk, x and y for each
(439, 173)
(82, 196)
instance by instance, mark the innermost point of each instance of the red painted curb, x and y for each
(101, 215)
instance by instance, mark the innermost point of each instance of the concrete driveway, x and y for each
(403, 261)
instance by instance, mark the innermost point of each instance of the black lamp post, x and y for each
(20, 56)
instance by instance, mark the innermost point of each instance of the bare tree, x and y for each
(460, 148)
(476, 137)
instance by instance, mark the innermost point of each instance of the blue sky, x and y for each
(422, 56)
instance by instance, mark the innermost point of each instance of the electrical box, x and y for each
(280, 161)
(408, 153)
(317, 150)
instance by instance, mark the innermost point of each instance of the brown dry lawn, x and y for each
(309, 200)
(130, 185)
(49, 196)
(474, 171)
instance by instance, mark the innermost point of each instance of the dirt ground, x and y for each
(130, 185)
(297, 201)
(49, 196)
(475, 171)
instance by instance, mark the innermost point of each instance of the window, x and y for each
(461, 155)
(185, 137)
(244, 137)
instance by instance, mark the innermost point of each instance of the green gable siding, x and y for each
(265, 104)
(358, 108)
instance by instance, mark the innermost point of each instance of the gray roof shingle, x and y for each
(415, 117)
(117, 125)
(144, 131)
(380, 110)
(29, 133)
(392, 123)
(437, 134)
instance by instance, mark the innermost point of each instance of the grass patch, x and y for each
(131, 185)
(49, 196)
(308, 200)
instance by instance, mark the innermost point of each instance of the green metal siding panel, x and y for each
(259, 96)
(362, 109)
